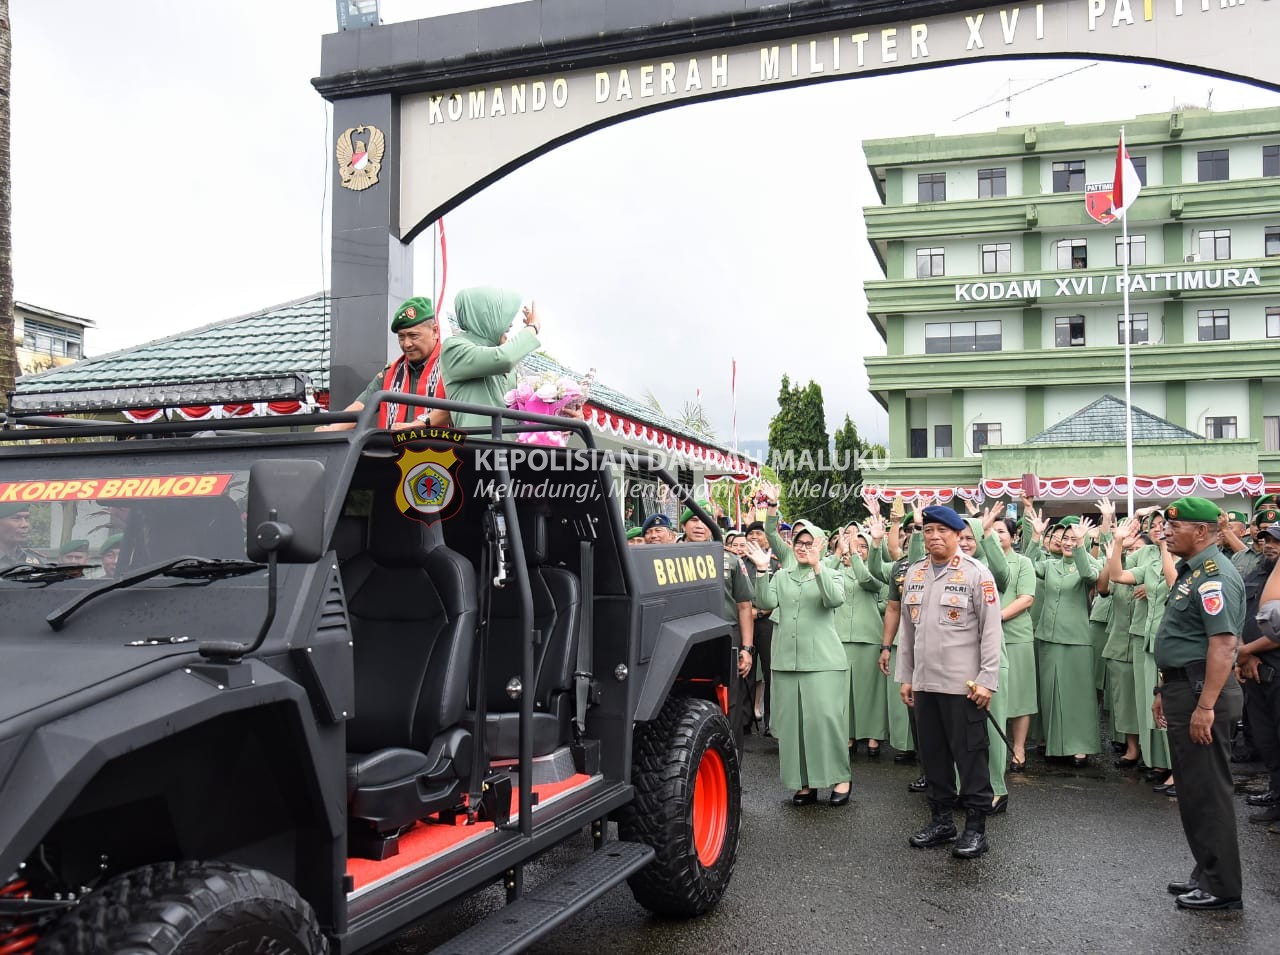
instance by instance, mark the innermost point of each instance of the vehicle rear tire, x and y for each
(189, 908)
(687, 807)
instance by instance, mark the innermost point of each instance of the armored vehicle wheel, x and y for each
(189, 908)
(687, 806)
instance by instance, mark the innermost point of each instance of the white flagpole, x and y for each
(1128, 372)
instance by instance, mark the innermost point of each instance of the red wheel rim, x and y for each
(710, 808)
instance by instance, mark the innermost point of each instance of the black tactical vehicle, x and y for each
(336, 680)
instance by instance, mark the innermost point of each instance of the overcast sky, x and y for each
(171, 163)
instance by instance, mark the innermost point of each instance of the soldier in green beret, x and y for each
(109, 554)
(1244, 553)
(417, 371)
(15, 530)
(1199, 700)
(479, 361)
(739, 592)
(74, 552)
(635, 535)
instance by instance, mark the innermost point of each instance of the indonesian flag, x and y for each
(1126, 185)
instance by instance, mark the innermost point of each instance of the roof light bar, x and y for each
(294, 387)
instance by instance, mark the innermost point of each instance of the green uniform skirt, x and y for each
(809, 716)
(997, 752)
(899, 716)
(868, 713)
(1068, 701)
(1020, 691)
(1098, 633)
(1153, 740)
(1121, 700)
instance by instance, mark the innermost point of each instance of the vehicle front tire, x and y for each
(688, 807)
(189, 908)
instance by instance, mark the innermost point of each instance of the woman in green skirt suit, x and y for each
(1016, 600)
(860, 622)
(1122, 703)
(810, 671)
(901, 737)
(1068, 701)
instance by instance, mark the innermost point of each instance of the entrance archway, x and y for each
(459, 101)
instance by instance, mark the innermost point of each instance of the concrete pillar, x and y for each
(1035, 410)
(1256, 429)
(899, 425)
(959, 440)
(1032, 328)
(372, 270)
(1173, 324)
(1175, 402)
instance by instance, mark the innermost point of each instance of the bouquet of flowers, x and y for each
(550, 395)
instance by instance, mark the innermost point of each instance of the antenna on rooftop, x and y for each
(1010, 95)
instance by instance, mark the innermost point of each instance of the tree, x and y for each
(851, 452)
(801, 453)
(692, 418)
(8, 348)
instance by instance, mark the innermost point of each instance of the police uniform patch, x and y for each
(956, 578)
(955, 561)
(953, 614)
(1196, 574)
(1211, 599)
(1210, 567)
(918, 575)
(915, 613)
(989, 591)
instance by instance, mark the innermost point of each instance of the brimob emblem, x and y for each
(429, 490)
(360, 160)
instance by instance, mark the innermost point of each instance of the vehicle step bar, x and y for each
(514, 927)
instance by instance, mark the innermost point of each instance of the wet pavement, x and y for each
(1078, 864)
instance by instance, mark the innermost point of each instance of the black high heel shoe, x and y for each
(873, 753)
(999, 806)
(1126, 763)
(839, 799)
(804, 798)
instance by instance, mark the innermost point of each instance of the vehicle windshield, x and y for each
(116, 514)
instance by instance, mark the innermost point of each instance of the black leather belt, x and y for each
(1191, 673)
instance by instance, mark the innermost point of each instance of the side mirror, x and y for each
(294, 490)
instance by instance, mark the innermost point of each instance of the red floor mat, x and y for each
(426, 840)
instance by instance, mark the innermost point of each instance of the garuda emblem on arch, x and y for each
(360, 156)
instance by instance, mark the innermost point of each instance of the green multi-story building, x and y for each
(1002, 308)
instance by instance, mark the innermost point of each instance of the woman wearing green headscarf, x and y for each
(810, 717)
(860, 621)
(479, 361)
(1017, 598)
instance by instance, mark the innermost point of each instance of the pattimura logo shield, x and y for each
(1098, 202)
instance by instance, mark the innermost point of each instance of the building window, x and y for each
(1271, 241)
(51, 339)
(930, 263)
(1137, 250)
(1214, 324)
(1215, 245)
(1271, 160)
(1214, 164)
(919, 442)
(1220, 427)
(996, 258)
(1073, 254)
(932, 186)
(1140, 167)
(1271, 433)
(1140, 329)
(1273, 322)
(942, 440)
(1068, 331)
(949, 338)
(1068, 176)
(991, 183)
(985, 434)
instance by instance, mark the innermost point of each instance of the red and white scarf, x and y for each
(397, 378)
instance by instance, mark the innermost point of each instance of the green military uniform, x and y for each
(1019, 640)
(993, 556)
(860, 624)
(809, 670)
(737, 587)
(17, 554)
(478, 368)
(1068, 705)
(1117, 653)
(901, 734)
(1148, 571)
(1207, 600)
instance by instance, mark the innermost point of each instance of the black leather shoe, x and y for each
(1001, 805)
(936, 833)
(1182, 888)
(805, 799)
(1123, 763)
(1151, 775)
(1079, 762)
(1171, 791)
(1270, 814)
(1198, 900)
(919, 785)
(970, 845)
(906, 756)
(873, 753)
(1018, 767)
(1271, 798)
(839, 799)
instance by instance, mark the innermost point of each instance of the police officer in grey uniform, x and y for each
(949, 666)
(1199, 699)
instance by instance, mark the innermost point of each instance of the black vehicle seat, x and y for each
(557, 604)
(412, 605)
(348, 536)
